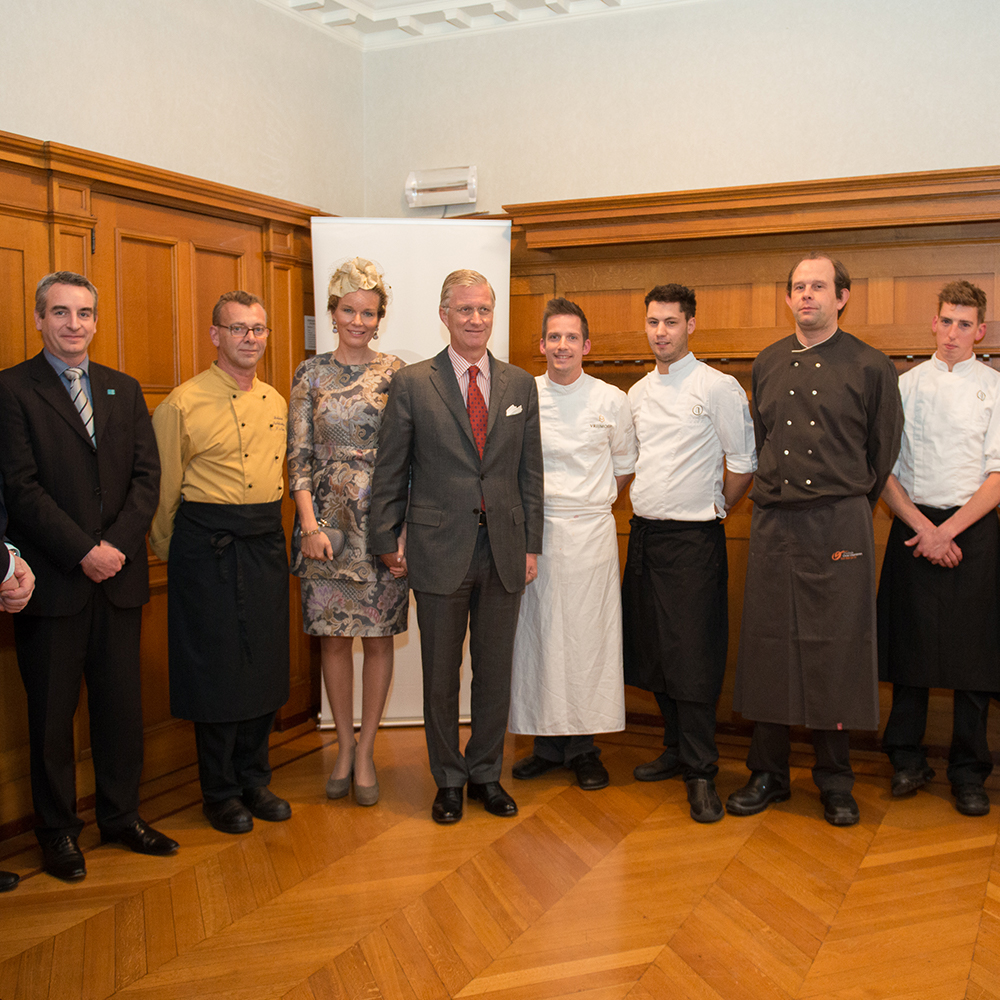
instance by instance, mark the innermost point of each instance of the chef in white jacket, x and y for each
(567, 681)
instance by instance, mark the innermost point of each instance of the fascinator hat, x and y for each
(357, 275)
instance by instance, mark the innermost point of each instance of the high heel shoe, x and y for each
(366, 795)
(337, 788)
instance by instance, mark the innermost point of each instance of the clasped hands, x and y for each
(396, 561)
(16, 592)
(102, 562)
(932, 543)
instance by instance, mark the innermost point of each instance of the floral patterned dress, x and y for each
(333, 423)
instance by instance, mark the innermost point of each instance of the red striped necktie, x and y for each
(477, 410)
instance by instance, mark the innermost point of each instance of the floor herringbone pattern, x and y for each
(595, 895)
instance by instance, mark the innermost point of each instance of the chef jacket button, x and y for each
(814, 392)
(818, 364)
(791, 392)
(808, 482)
(812, 423)
(786, 451)
(788, 422)
(796, 364)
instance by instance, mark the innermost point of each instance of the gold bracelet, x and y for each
(315, 531)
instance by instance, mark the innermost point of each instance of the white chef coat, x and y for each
(951, 431)
(567, 676)
(687, 422)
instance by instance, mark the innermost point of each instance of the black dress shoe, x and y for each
(591, 774)
(264, 804)
(909, 779)
(839, 808)
(447, 806)
(8, 880)
(533, 767)
(706, 806)
(971, 800)
(665, 766)
(63, 858)
(761, 790)
(228, 816)
(493, 797)
(142, 839)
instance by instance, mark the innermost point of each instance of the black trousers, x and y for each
(488, 612)
(233, 756)
(99, 643)
(770, 747)
(969, 759)
(689, 729)
(562, 749)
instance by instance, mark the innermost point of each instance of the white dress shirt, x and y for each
(691, 424)
(951, 431)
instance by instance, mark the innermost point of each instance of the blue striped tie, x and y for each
(80, 400)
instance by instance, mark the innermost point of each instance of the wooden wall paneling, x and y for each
(288, 284)
(24, 256)
(14, 315)
(148, 300)
(72, 225)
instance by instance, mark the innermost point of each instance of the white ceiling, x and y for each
(372, 24)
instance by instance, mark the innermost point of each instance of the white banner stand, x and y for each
(416, 256)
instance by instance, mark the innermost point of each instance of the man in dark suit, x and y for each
(460, 459)
(16, 585)
(81, 476)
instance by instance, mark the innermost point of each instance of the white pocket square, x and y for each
(513, 410)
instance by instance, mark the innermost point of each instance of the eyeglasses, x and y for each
(467, 312)
(240, 330)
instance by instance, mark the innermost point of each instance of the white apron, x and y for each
(567, 676)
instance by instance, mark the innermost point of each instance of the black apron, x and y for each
(938, 627)
(675, 608)
(807, 640)
(227, 612)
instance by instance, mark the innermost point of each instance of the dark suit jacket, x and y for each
(5, 557)
(428, 469)
(64, 496)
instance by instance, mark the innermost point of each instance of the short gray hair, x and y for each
(464, 278)
(61, 278)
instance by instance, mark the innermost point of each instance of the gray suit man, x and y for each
(460, 461)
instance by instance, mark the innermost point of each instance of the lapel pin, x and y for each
(111, 392)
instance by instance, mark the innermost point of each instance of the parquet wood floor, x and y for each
(596, 895)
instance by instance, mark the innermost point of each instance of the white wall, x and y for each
(228, 90)
(693, 95)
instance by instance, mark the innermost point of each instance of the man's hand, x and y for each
(936, 545)
(16, 592)
(102, 562)
(531, 568)
(396, 561)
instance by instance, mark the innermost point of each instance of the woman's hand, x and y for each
(317, 547)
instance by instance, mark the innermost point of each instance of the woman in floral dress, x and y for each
(333, 424)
